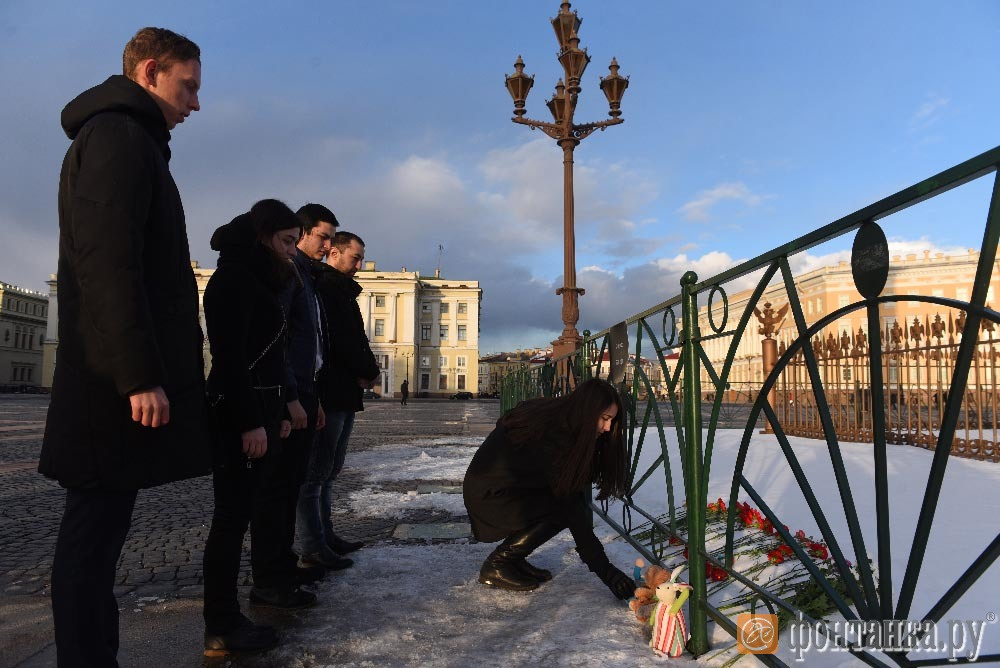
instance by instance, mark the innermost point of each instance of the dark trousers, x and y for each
(289, 473)
(84, 609)
(244, 496)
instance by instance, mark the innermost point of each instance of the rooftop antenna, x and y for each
(437, 271)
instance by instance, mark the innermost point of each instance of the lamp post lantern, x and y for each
(568, 135)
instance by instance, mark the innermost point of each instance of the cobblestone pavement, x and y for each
(163, 554)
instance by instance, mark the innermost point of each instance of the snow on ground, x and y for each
(372, 503)
(420, 604)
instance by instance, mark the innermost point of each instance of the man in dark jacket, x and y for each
(307, 332)
(350, 366)
(127, 409)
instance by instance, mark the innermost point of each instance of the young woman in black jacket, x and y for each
(531, 479)
(246, 331)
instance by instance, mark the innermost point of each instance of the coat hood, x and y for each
(236, 239)
(117, 94)
(337, 279)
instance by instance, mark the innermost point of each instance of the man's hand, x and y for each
(286, 429)
(151, 408)
(320, 417)
(298, 414)
(364, 383)
(254, 443)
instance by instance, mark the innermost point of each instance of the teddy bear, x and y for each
(645, 595)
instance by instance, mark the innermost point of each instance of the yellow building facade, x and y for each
(422, 329)
(23, 316)
(827, 289)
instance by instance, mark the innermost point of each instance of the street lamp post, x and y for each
(568, 135)
(407, 355)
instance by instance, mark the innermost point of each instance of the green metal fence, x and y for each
(693, 415)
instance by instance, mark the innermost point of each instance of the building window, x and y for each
(460, 361)
(443, 382)
(463, 308)
(425, 381)
(461, 332)
(843, 301)
(425, 362)
(444, 307)
(425, 307)
(379, 327)
(379, 301)
(461, 381)
(443, 331)
(17, 338)
(962, 294)
(425, 332)
(442, 361)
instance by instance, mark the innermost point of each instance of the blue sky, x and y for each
(747, 124)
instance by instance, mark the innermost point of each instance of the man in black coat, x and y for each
(350, 367)
(127, 409)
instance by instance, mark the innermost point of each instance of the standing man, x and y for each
(404, 391)
(127, 409)
(350, 367)
(307, 332)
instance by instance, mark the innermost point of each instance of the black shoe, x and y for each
(245, 639)
(341, 546)
(540, 574)
(497, 572)
(304, 575)
(327, 559)
(506, 567)
(283, 598)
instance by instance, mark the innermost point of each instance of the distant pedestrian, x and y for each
(404, 391)
(128, 408)
(349, 368)
(248, 337)
(532, 477)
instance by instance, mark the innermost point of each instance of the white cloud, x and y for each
(929, 112)
(700, 208)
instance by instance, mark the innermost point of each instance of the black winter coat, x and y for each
(246, 331)
(349, 355)
(128, 302)
(509, 488)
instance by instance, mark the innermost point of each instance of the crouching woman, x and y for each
(532, 477)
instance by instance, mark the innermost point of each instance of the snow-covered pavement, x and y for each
(419, 604)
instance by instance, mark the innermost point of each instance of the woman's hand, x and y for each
(254, 443)
(285, 429)
(298, 413)
(320, 417)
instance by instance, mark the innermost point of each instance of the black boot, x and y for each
(506, 567)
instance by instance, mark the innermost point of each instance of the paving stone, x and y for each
(446, 530)
(426, 488)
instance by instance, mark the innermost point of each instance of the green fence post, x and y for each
(693, 485)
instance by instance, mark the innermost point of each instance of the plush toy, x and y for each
(669, 630)
(645, 594)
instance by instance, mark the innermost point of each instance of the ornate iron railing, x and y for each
(692, 415)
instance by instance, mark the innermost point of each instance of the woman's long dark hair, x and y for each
(570, 422)
(270, 216)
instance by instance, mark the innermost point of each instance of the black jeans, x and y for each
(247, 493)
(297, 448)
(84, 609)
